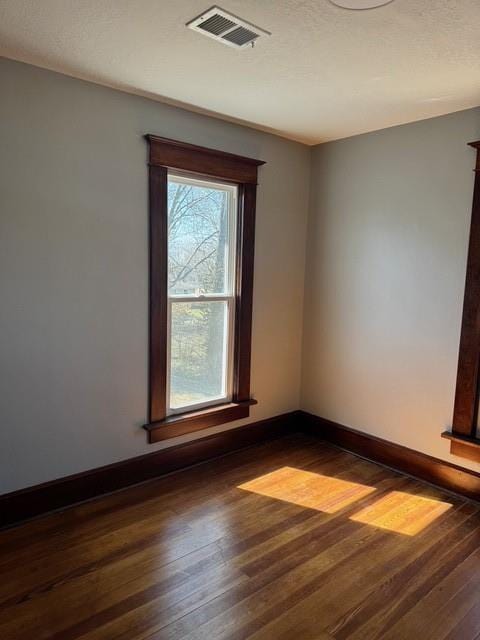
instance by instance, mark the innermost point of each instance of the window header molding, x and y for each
(208, 162)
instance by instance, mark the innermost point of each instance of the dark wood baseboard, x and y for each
(64, 492)
(420, 465)
(34, 501)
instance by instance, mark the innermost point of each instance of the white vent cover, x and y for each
(226, 28)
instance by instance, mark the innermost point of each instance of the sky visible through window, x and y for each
(197, 239)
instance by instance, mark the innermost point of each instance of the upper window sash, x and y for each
(199, 185)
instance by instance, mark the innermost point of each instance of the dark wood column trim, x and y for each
(465, 413)
(158, 299)
(243, 319)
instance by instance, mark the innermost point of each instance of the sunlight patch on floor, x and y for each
(402, 513)
(307, 489)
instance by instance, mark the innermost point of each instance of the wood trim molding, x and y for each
(244, 284)
(465, 410)
(157, 360)
(463, 446)
(174, 426)
(420, 465)
(476, 145)
(65, 492)
(166, 154)
(209, 162)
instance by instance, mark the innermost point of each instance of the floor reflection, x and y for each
(307, 489)
(402, 512)
(398, 511)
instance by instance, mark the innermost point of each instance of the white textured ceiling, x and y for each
(325, 72)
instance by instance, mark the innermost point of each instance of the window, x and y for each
(202, 224)
(201, 300)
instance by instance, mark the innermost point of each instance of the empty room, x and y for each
(239, 320)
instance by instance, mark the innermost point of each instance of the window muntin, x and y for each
(202, 220)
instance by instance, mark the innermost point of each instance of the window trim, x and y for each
(200, 162)
(463, 436)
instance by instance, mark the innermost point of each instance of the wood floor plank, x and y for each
(468, 626)
(306, 567)
(190, 485)
(121, 588)
(352, 579)
(395, 596)
(314, 588)
(436, 615)
(292, 539)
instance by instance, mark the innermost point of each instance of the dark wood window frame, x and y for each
(463, 436)
(165, 154)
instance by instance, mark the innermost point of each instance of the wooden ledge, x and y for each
(178, 425)
(463, 446)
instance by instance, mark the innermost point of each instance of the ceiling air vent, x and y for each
(226, 28)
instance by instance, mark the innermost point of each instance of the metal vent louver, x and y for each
(226, 28)
(240, 36)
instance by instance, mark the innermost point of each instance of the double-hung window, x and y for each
(201, 292)
(202, 224)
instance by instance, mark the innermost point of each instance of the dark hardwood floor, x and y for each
(293, 539)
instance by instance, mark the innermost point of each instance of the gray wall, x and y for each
(387, 249)
(386, 255)
(73, 269)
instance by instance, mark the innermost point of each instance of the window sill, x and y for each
(179, 425)
(463, 446)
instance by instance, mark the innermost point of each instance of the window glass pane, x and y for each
(198, 352)
(199, 227)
